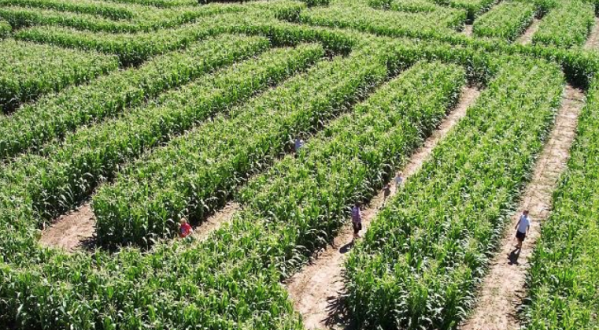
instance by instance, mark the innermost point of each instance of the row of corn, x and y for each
(29, 70)
(106, 17)
(568, 24)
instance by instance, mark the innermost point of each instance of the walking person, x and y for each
(356, 218)
(298, 144)
(386, 193)
(522, 228)
(399, 179)
(184, 229)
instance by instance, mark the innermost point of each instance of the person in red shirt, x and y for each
(185, 229)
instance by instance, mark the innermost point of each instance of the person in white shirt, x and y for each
(522, 228)
(398, 180)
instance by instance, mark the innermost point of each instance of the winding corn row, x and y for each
(567, 25)
(505, 21)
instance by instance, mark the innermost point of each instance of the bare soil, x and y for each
(526, 38)
(502, 290)
(70, 231)
(467, 30)
(215, 221)
(316, 290)
(593, 39)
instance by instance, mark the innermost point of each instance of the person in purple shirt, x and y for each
(356, 219)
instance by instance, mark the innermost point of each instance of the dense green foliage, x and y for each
(506, 21)
(418, 264)
(5, 28)
(203, 111)
(567, 25)
(106, 10)
(195, 173)
(29, 70)
(53, 116)
(564, 273)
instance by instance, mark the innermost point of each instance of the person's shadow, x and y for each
(344, 249)
(513, 257)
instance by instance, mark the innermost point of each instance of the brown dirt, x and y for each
(215, 221)
(467, 30)
(70, 231)
(593, 39)
(316, 289)
(503, 288)
(526, 38)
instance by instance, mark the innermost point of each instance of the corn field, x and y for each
(154, 111)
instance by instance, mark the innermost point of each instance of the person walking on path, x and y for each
(522, 228)
(386, 193)
(399, 180)
(185, 229)
(298, 144)
(356, 218)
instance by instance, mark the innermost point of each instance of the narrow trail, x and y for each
(215, 221)
(71, 230)
(593, 39)
(76, 229)
(526, 37)
(316, 289)
(467, 31)
(503, 288)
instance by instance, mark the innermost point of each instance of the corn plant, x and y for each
(505, 21)
(131, 48)
(106, 10)
(367, 19)
(54, 116)
(143, 20)
(567, 25)
(5, 28)
(427, 250)
(563, 280)
(158, 3)
(474, 8)
(29, 70)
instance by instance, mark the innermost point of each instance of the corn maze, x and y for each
(154, 111)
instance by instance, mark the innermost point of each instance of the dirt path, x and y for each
(74, 230)
(502, 289)
(315, 290)
(526, 38)
(593, 39)
(467, 30)
(70, 231)
(215, 221)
